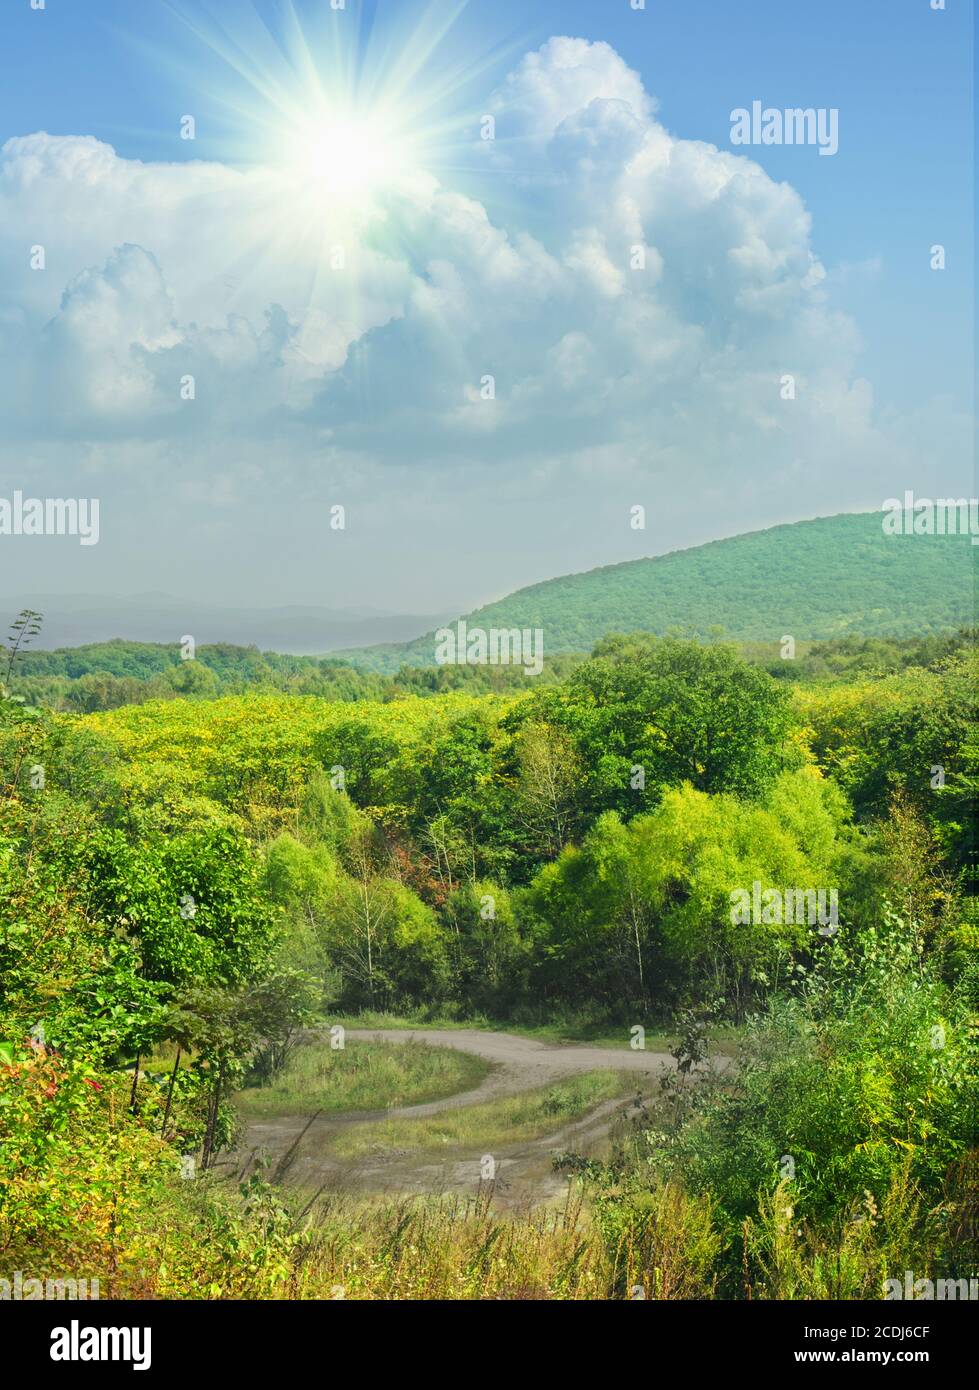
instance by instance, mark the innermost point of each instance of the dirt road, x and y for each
(520, 1064)
(301, 1152)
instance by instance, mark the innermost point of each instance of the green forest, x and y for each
(833, 577)
(206, 863)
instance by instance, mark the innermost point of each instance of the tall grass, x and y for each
(445, 1248)
(508, 1120)
(363, 1076)
(854, 1256)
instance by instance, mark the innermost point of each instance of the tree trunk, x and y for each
(132, 1093)
(212, 1119)
(173, 1078)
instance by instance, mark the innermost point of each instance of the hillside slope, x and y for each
(826, 578)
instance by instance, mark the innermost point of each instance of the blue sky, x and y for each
(884, 344)
(900, 74)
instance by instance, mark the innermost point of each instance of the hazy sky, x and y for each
(224, 337)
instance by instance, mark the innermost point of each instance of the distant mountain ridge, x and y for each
(825, 578)
(295, 629)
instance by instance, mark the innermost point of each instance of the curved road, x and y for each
(520, 1064)
(300, 1149)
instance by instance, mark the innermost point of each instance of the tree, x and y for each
(491, 954)
(191, 902)
(375, 940)
(24, 627)
(659, 716)
(193, 678)
(548, 782)
(386, 942)
(642, 912)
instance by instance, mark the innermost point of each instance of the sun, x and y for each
(347, 156)
(341, 109)
(342, 125)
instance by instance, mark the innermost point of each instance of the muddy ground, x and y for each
(300, 1153)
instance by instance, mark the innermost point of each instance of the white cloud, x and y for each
(558, 83)
(666, 376)
(97, 348)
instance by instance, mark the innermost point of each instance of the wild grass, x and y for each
(451, 1248)
(852, 1256)
(363, 1076)
(508, 1120)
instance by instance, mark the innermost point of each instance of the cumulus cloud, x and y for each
(551, 91)
(110, 325)
(637, 301)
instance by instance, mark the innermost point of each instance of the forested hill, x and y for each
(833, 577)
